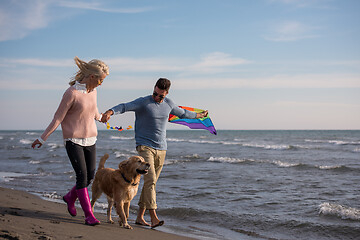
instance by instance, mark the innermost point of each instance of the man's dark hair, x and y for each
(163, 84)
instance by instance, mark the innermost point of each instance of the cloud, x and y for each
(145, 64)
(119, 64)
(297, 104)
(303, 3)
(299, 81)
(18, 18)
(219, 59)
(291, 31)
(16, 71)
(211, 62)
(37, 62)
(298, 3)
(216, 62)
(189, 73)
(97, 6)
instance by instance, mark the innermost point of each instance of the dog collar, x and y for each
(133, 184)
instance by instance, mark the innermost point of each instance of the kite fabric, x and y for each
(117, 128)
(197, 123)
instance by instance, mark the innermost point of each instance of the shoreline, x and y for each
(27, 216)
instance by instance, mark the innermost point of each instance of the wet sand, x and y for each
(27, 216)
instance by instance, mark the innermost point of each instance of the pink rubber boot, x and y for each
(70, 199)
(84, 199)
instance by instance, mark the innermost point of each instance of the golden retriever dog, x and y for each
(120, 185)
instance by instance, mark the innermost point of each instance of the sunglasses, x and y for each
(155, 94)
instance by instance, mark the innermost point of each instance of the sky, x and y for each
(255, 65)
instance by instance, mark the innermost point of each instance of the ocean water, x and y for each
(236, 185)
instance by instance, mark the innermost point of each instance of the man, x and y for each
(151, 116)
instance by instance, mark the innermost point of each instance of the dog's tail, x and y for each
(102, 161)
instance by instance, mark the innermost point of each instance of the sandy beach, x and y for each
(27, 216)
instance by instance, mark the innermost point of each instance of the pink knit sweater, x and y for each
(76, 114)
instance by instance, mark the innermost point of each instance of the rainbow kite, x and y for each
(116, 127)
(197, 123)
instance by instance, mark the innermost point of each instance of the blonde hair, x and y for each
(95, 67)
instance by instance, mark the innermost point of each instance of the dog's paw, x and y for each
(110, 221)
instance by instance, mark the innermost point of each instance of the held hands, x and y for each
(106, 116)
(202, 114)
(36, 142)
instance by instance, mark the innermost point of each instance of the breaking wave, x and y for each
(236, 142)
(227, 160)
(343, 212)
(335, 142)
(120, 138)
(25, 141)
(284, 164)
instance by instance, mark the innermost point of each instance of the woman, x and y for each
(77, 113)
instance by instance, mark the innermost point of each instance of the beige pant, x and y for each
(156, 160)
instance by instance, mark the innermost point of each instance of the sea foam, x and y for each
(121, 155)
(285, 164)
(120, 138)
(335, 142)
(338, 210)
(9, 176)
(226, 159)
(25, 141)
